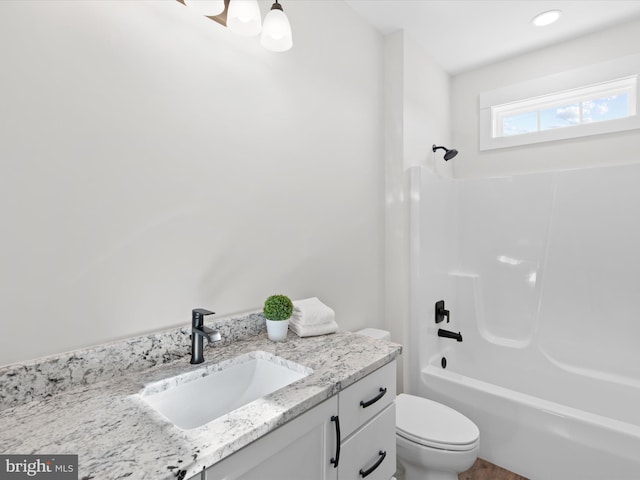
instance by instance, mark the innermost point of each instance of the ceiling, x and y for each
(461, 35)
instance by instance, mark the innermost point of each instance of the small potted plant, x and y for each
(277, 310)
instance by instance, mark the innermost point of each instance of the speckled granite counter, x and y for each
(116, 434)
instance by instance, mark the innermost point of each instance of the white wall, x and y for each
(152, 162)
(427, 111)
(607, 149)
(417, 116)
(396, 262)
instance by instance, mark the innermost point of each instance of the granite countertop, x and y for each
(116, 434)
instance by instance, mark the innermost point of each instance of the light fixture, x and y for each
(276, 31)
(244, 17)
(209, 8)
(546, 18)
(448, 154)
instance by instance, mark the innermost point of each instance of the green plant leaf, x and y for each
(278, 307)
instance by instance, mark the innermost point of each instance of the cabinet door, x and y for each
(371, 451)
(300, 449)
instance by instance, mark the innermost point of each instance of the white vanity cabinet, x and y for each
(300, 449)
(367, 413)
(355, 429)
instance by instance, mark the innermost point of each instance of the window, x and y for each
(588, 101)
(594, 103)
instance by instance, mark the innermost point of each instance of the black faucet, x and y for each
(448, 334)
(441, 312)
(199, 332)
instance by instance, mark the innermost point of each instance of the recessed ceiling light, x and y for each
(546, 18)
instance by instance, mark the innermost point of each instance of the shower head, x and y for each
(448, 154)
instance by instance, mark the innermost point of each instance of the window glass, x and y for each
(605, 108)
(558, 117)
(520, 123)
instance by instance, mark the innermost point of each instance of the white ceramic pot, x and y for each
(277, 329)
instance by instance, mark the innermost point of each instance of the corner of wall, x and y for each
(417, 115)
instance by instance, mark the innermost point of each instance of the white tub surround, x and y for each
(539, 273)
(99, 415)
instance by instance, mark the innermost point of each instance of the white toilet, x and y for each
(434, 442)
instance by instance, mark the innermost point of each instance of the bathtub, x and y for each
(568, 439)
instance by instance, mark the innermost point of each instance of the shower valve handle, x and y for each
(441, 313)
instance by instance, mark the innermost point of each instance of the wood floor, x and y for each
(483, 470)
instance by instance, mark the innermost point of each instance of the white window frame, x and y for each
(619, 75)
(627, 85)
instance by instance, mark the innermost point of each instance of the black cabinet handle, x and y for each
(368, 403)
(365, 473)
(335, 460)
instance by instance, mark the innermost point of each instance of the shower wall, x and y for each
(539, 273)
(543, 263)
(557, 256)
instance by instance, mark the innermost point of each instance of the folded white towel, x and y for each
(313, 330)
(311, 311)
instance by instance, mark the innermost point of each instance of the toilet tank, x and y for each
(375, 333)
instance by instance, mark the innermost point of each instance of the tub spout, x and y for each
(448, 334)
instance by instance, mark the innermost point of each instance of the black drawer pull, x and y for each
(365, 473)
(335, 460)
(368, 403)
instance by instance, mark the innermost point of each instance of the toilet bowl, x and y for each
(433, 441)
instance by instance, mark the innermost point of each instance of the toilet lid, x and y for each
(434, 425)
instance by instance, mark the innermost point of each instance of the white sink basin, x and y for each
(195, 398)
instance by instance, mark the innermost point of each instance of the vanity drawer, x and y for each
(371, 452)
(360, 402)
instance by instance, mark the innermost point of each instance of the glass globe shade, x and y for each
(276, 32)
(243, 17)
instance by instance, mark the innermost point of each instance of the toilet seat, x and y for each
(434, 425)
